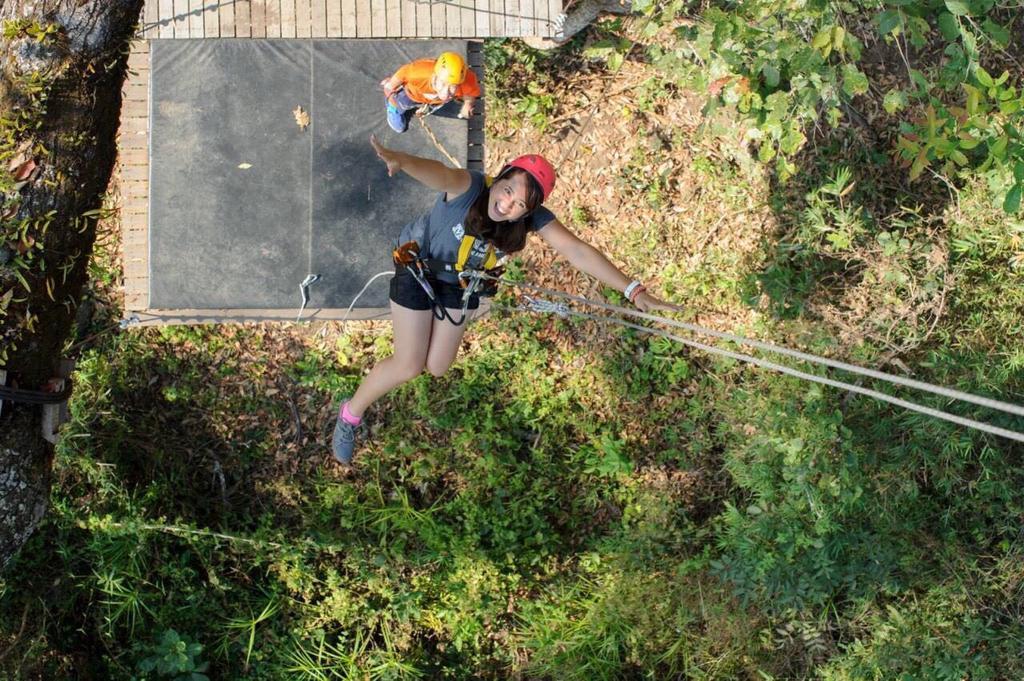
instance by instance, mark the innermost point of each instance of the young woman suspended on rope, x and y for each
(474, 221)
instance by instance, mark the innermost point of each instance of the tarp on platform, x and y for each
(244, 203)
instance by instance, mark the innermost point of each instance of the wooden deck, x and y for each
(177, 19)
(134, 189)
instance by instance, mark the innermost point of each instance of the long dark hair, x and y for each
(508, 237)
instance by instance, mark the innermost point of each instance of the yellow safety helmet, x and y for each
(453, 66)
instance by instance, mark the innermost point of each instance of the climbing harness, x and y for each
(481, 281)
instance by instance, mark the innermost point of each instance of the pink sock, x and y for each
(349, 417)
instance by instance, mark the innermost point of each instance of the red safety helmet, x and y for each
(538, 168)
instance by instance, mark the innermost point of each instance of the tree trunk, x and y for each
(580, 15)
(62, 65)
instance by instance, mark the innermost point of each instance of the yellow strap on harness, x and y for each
(466, 246)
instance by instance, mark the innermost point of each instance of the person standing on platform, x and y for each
(429, 83)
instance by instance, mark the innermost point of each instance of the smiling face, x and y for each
(442, 87)
(508, 198)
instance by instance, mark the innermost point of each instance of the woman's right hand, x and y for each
(393, 159)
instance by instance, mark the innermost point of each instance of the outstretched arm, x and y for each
(589, 260)
(434, 174)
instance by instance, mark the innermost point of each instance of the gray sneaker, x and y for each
(343, 444)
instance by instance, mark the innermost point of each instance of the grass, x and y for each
(570, 501)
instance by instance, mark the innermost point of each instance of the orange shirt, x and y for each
(416, 77)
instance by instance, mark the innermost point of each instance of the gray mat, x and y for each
(244, 204)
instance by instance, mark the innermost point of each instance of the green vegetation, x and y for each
(578, 502)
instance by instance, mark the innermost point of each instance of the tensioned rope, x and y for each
(564, 310)
(768, 347)
(765, 364)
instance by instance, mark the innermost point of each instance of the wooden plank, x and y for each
(226, 18)
(135, 188)
(497, 18)
(211, 19)
(180, 18)
(334, 18)
(393, 9)
(134, 227)
(243, 19)
(133, 126)
(137, 202)
(136, 282)
(135, 234)
(165, 14)
(422, 20)
(318, 19)
(195, 19)
(135, 109)
(527, 17)
(407, 11)
(452, 19)
(438, 20)
(378, 18)
(302, 23)
(133, 142)
(511, 18)
(133, 157)
(135, 172)
(348, 18)
(134, 242)
(135, 205)
(136, 208)
(138, 61)
(363, 18)
(258, 18)
(553, 9)
(135, 193)
(540, 17)
(468, 18)
(287, 18)
(128, 141)
(272, 18)
(150, 20)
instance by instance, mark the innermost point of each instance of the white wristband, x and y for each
(632, 287)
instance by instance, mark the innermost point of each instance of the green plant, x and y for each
(786, 70)
(245, 628)
(173, 657)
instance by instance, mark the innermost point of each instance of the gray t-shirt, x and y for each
(439, 232)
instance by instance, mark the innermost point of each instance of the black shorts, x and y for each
(407, 292)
